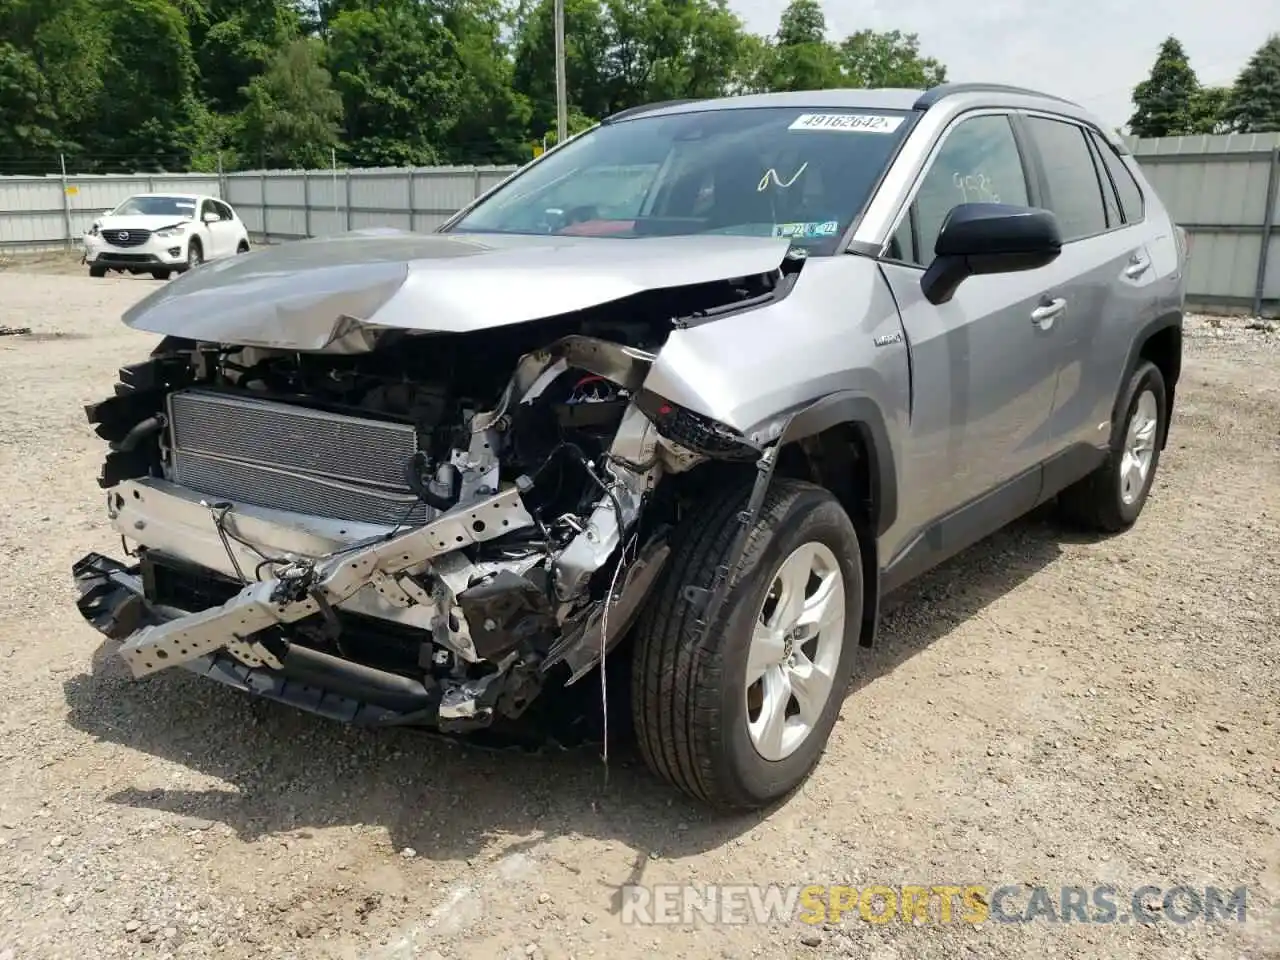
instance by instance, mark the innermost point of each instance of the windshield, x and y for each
(183, 208)
(773, 172)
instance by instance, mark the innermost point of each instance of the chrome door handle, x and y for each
(1137, 267)
(1044, 315)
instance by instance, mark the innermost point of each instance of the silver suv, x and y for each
(685, 397)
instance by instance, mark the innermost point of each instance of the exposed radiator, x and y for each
(286, 457)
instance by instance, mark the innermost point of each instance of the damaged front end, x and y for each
(429, 531)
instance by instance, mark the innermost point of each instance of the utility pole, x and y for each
(562, 106)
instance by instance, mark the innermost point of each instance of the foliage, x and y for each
(27, 119)
(1254, 104)
(172, 84)
(1164, 103)
(1209, 110)
(292, 114)
(889, 59)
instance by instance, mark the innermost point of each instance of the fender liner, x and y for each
(836, 408)
(865, 416)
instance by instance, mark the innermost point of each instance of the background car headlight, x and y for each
(171, 231)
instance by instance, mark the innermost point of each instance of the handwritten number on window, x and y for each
(975, 188)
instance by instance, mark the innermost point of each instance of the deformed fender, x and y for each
(807, 421)
(865, 416)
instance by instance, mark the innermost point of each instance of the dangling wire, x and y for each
(604, 646)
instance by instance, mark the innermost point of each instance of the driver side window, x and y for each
(978, 162)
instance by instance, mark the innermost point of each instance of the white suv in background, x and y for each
(162, 234)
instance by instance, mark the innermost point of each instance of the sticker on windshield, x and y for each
(815, 228)
(846, 122)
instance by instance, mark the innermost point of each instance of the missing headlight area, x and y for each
(429, 531)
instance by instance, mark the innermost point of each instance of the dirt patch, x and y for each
(57, 263)
(1044, 709)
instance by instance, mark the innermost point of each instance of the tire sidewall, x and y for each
(195, 255)
(1146, 377)
(814, 515)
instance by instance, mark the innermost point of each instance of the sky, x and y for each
(1089, 51)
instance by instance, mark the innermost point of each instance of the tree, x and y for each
(493, 116)
(146, 115)
(890, 59)
(803, 58)
(66, 42)
(1209, 110)
(27, 120)
(750, 70)
(397, 69)
(144, 84)
(620, 54)
(1164, 103)
(293, 115)
(802, 24)
(587, 40)
(1254, 106)
(236, 40)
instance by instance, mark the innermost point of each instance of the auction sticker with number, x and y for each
(846, 122)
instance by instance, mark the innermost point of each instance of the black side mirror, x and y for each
(980, 238)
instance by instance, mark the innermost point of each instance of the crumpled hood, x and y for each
(333, 293)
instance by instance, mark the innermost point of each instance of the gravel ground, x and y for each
(1045, 709)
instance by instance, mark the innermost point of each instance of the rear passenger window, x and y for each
(1075, 196)
(978, 162)
(1130, 194)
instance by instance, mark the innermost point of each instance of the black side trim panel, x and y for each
(1064, 469)
(964, 527)
(865, 415)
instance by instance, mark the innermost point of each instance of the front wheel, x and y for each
(738, 714)
(1110, 499)
(195, 254)
(97, 272)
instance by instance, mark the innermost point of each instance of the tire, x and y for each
(195, 254)
(243, 247)
(1110, 499)
(690, 701)
(97, 272)
(160, 274)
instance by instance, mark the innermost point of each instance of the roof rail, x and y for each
(934, 94)
(645, 108)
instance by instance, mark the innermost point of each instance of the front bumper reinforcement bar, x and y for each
(330, 581)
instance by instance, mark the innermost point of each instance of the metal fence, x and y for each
(48, 212)
(1222, 189)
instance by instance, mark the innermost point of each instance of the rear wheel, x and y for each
(99, 272)
(1110, 499)
(243, 247)
(738, 715)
